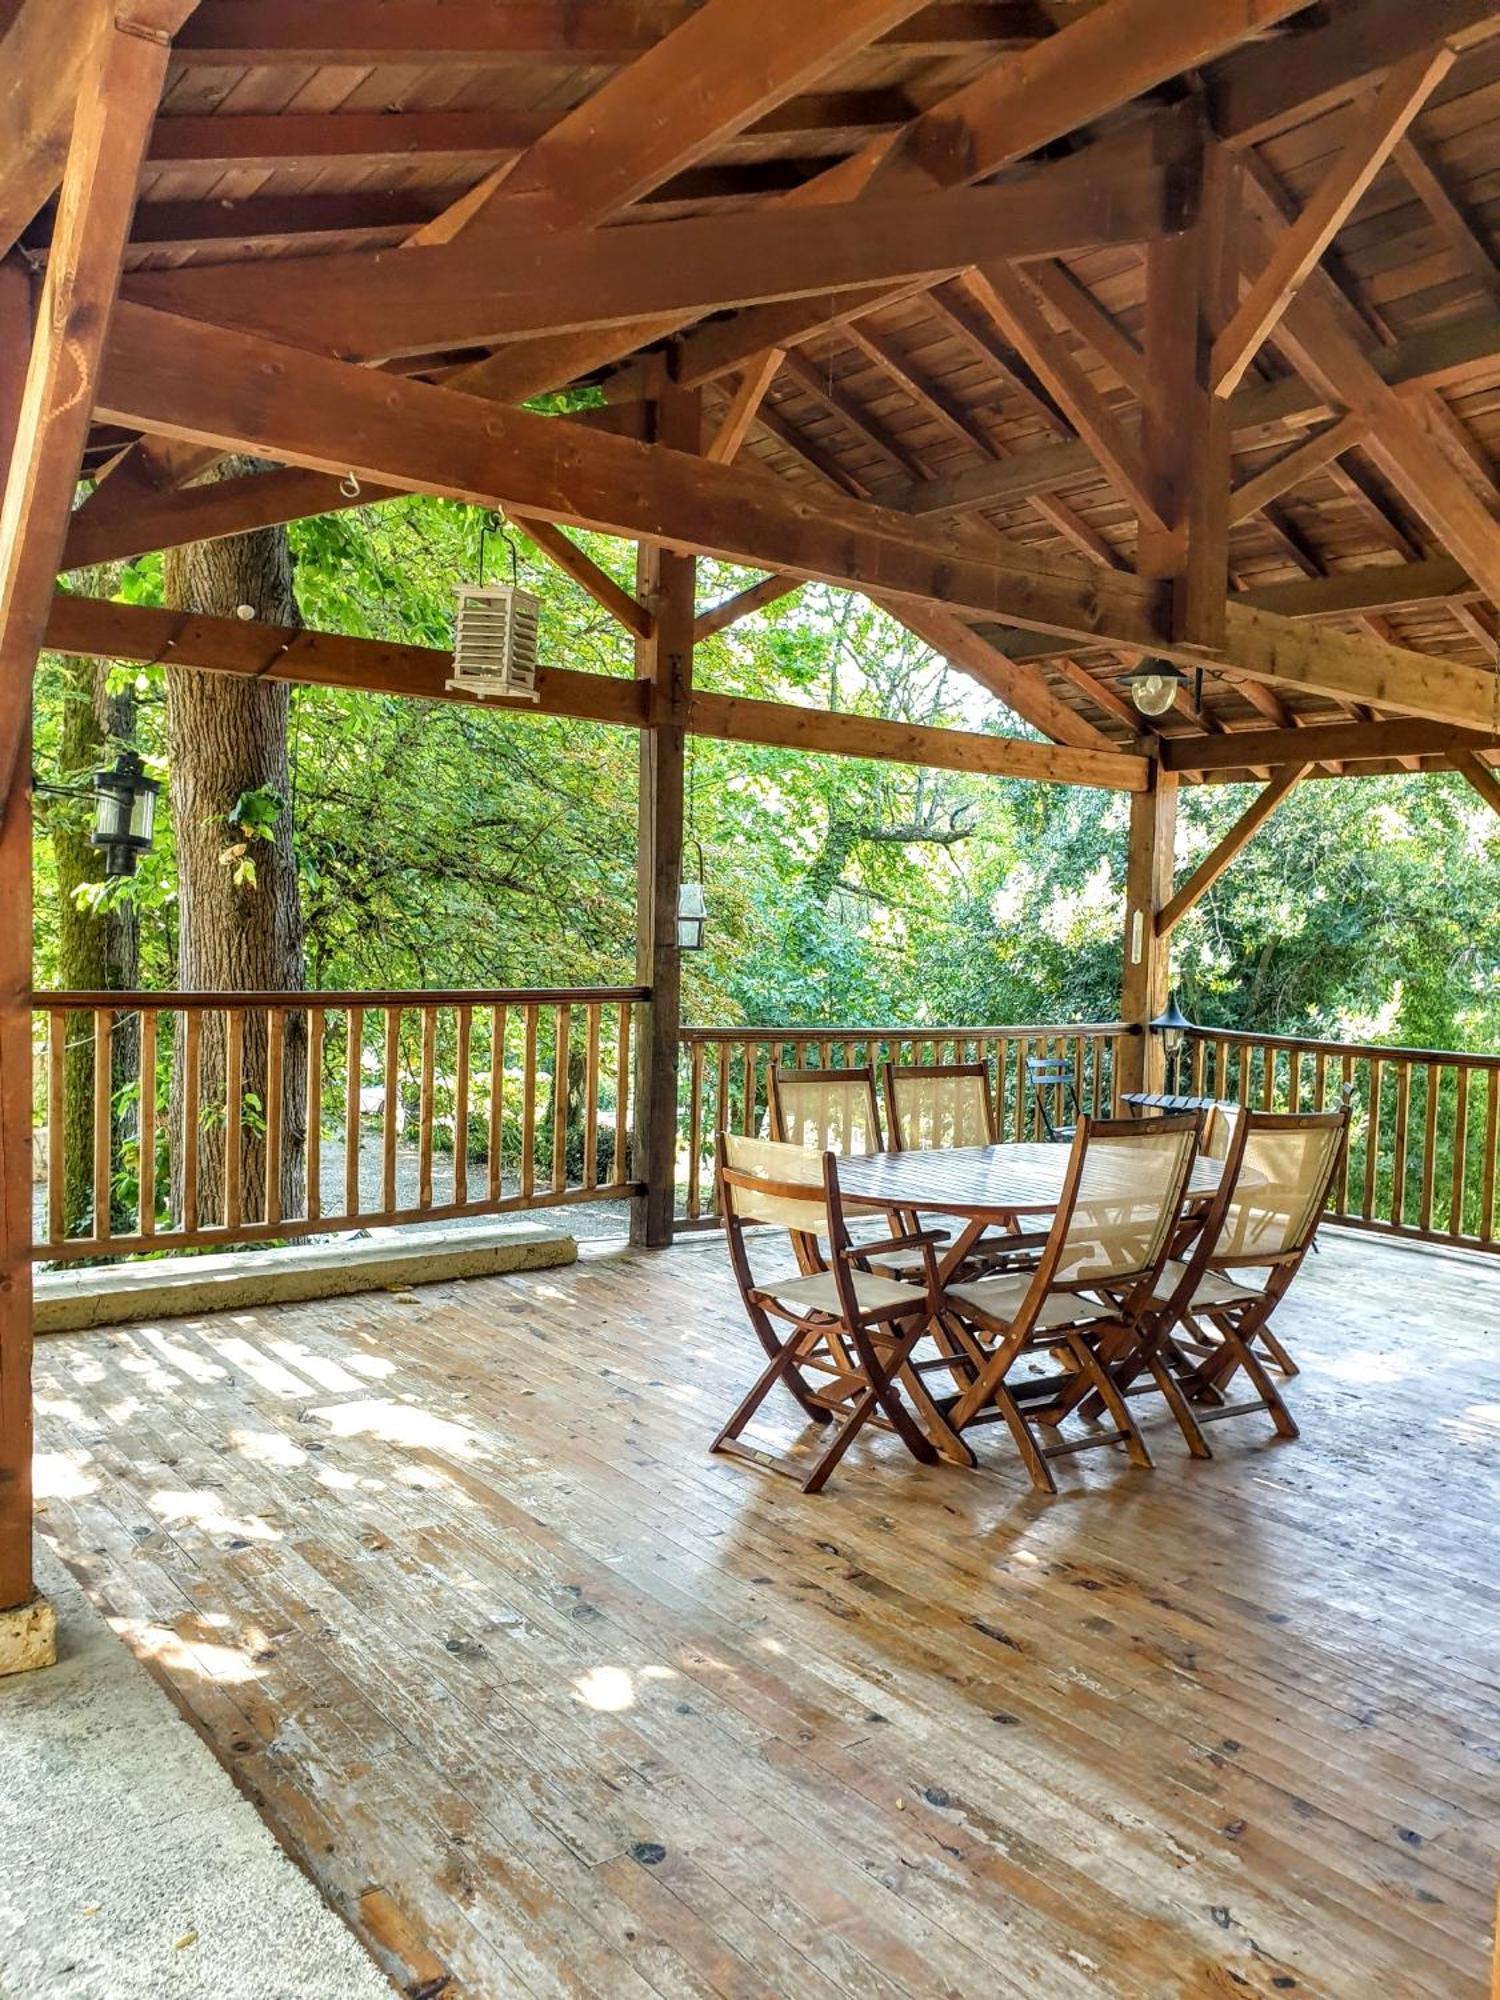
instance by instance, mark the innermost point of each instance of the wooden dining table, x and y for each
(985, 1187)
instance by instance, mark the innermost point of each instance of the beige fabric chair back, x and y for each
(1284, 1179)
(1130, 1194)
(770, 1167)
(1218, 1130)
(829, 1110)
(945, 1105)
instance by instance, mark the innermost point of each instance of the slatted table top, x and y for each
(979, 1181)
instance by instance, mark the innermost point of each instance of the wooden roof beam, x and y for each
(215, 386)
(102, 630)
(372, 305)
(1372, 139)
(1460, 353)
(476, 34)
(1323, 743)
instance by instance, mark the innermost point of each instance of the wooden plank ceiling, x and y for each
(1006, 399)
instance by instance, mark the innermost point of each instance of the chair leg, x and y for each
(775, 1349)
(879, 1393)
(782, 1366)
(1180, 1407)
(1032, 1455)
(947, 1440)
(1279, 1356)
(1104, 1387)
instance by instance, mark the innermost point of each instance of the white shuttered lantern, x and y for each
(495, 642)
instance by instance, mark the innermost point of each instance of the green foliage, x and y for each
(447, 844)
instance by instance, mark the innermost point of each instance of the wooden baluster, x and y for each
(591, 1101)
(354, 1077)
(1491, 1148)
(146, 1128)
(1021, 1091)
(561, 1059)
(619, 1171)
(1372, 1138)
(234, 1115)
(390, 1108)
(1268, 1079)
(316, 1025)
(461, 1108)
(1294, 1080)
(1463, 1077)
(1398, 1170)
(747, 1090)
(57, 1056)
(695, 1131)
(1196, 1058)
(1434, 1089)
(426, 1105)
(528, 1107)
(1320, 1080)
(192, 1067)
(103, 1120)
(275, 1074)
(1347, 1078)
(494, 1163)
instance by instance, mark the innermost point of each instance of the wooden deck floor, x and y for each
(551, 1703)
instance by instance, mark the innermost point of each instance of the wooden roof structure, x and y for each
(452, 192)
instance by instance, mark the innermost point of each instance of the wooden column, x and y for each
(1185, 435)
(1148, 889)
(47, 427)
(665, 584)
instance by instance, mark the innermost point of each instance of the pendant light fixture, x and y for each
(495, 632)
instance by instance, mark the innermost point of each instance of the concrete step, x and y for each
(385, 1260)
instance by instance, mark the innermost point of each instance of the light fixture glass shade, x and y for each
(1154, 694)
(692, 916)
(124, 813)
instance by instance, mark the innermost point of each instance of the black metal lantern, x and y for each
(124, 813)
(692, 910)
(1154, 685)
(1174, 1027)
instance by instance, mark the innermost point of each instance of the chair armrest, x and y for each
(859, 1253)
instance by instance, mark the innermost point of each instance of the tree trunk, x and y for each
(96, 949)
(228, 737)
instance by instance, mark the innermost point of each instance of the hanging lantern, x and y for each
(124, 813)
(692, 910)
(1153, 686)
(495, 636)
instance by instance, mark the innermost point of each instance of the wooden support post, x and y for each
(1185, 432)
(44, 418)
(665, 584)
(1148, 887)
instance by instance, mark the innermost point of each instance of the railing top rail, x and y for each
(907, 1032)
(1385, 1051)
(464, 996)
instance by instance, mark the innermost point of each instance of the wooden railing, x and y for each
(222, 1120)
(725, 1077)
(1424, 1136)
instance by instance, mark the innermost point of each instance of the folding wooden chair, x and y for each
(1121, 1200)
(831, 1110)
(1053, 1088)
(835, 1111)
(837, 1334)
(935, 1105)
(1211, 1315)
